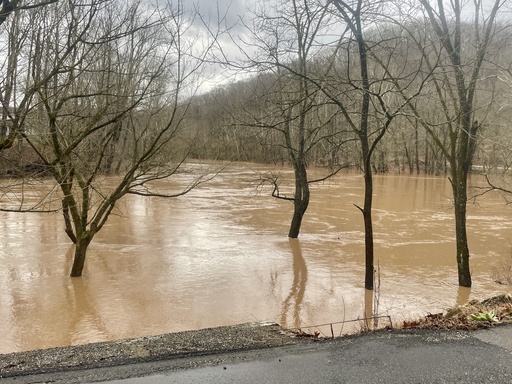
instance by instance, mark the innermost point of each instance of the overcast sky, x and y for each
(224, 14)
(233, 10)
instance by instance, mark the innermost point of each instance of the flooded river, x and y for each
(220, 255)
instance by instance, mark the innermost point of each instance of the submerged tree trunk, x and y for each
(301, 199)
(368, 234)
(460, 200)
(367, 216)
(79, 257)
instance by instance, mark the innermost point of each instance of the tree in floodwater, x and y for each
(125, 73)
(362, 84)
(286, 40)
(354, 75)
(456, 67)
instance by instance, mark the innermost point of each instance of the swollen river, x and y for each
(220, 255)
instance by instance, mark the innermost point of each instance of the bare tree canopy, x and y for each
(106, 91)
(9, 6)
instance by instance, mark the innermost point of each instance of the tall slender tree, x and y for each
(369, 76)
(456, 69)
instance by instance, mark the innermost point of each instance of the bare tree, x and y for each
(364, 86)
(456, 67)
(494, 153)
(359, 76)
(121, 72)
(287, 40)
(15, 66)
(15, 35)
(17, 90)
(11, 6)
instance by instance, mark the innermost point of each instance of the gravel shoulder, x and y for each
(257, 345)
(187, 344)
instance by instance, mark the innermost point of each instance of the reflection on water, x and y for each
(369, 310)
(220, 256)
(463, 294)
(296, 295)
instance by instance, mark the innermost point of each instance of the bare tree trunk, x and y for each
(408, 158)
(112, 147)
(427, 158)
(460, 199)
(80, 253)
(301, 199)
(367, 218)
(416, 144)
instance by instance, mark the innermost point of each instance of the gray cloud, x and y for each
(227, 11)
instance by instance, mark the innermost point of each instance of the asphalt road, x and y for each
(484, 357)
(382, 357)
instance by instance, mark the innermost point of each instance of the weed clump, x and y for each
(471, 316)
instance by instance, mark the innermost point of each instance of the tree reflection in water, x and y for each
(298, 288)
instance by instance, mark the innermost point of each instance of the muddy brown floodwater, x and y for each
(221, 256)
